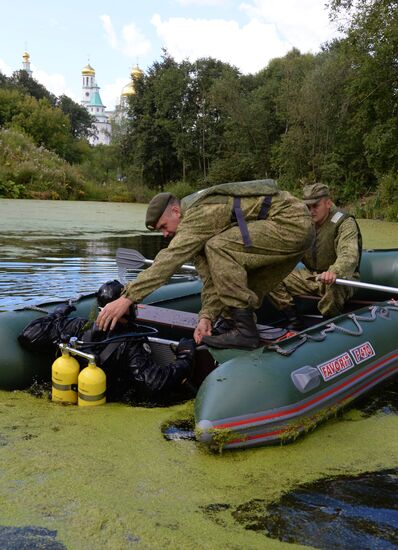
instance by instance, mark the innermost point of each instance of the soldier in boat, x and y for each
(244, 238)
(336, 253)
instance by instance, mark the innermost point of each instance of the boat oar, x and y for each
(128, 258)
(367, 286)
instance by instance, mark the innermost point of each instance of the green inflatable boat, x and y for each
(275, 393)
(255, 397)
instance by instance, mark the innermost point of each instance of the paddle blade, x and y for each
(130, 258)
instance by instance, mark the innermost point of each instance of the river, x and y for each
(106, 477)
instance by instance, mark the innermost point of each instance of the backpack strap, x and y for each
(237, 214)
(263, 214)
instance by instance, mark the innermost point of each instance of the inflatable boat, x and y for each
(277, 392)
(269, 395)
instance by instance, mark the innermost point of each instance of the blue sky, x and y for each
(62, 36)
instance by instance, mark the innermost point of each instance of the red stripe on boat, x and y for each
(305, 405)
(277, 432)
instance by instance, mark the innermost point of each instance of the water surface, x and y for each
(58, 249)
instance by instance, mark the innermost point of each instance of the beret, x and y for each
(156, 207)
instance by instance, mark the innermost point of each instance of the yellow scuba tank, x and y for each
(65, 372)
(91, 386)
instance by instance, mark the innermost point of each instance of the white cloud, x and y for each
(110, 93)
(132, 43)
(55, 83)
(109, 30)
(304, 23)
(217, 3)
(272, 29)
(249, 47)
(4, 68)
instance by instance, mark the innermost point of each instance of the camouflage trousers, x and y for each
(303, 281)
(240, 277)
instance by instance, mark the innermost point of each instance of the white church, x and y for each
(92, 101)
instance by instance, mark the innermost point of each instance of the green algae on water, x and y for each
(105, 477)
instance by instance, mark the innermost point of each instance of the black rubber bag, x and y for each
(45, 333)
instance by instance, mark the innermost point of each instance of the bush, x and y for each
(234, 168)
(383, 204)
(388, 189)
(140, 192)
(181, 189)
(28, 171)
(11, 190)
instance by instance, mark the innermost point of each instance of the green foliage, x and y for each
(329, 117)
(47, 126)
(81, 122)
(383, 204)
(59, 124)
(28, 171)
(21, 81)
(388, 189)
(234, 167)
(140, 193)
(181, 189)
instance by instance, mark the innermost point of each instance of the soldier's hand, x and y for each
(186, 349)
(203, 328)
(327, 277)
(112, 312)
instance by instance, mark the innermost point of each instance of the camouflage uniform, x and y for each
(233, 275)
(337, 248)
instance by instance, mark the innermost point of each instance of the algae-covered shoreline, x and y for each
(106, 478)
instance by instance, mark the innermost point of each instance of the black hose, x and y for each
(150, 331)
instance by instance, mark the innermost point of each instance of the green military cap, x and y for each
(156, 207)
(312, 193)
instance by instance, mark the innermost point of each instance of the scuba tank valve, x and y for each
(64, 374)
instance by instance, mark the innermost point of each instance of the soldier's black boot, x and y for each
(243, 334)
(222, 325)
(295, 321)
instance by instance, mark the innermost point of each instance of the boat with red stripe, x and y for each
(275, 393)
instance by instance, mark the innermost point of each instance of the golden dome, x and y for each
(88, 70)
(26, 57)
(136, 72)
(128, 89)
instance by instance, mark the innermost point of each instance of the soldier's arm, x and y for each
(347, 250)
(194, 230)
(211, 305)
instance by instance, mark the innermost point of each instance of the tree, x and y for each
(372, 44)
(28, 85)
(47, 126)
(82, 123)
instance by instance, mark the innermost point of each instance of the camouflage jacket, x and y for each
(200, 221)
(337, 247)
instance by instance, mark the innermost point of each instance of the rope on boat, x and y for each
(375, 311)
(33, 308)
(69, 301)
